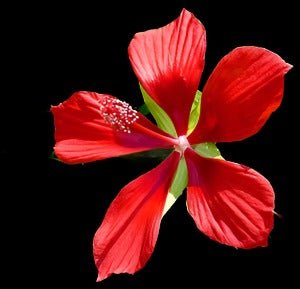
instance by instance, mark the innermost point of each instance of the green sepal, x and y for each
(180, 179)
(143, 109)
(54, 157)
(162, 119)
(195, 112)
(178, 185)
(208, 150)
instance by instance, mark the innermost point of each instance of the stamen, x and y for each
(119, 114)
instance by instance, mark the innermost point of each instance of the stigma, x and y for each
(119, 114)
(182, 144)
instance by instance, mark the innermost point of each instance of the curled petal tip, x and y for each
(288, 67)
(185, 11)
(101, 278)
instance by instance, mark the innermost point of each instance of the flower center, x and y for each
(119, 114)
(182, 144)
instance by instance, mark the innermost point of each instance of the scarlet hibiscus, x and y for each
(230, 203)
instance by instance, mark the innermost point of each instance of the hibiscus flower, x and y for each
(230, 203)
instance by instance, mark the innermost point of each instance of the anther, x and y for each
(119, 114)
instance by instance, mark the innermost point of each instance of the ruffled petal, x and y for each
(127, 236)
(168, 63)
(230, 203)
(240, 95)
(83, 135)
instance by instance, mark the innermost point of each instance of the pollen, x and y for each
(119, 114)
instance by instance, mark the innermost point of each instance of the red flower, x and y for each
(230, 203)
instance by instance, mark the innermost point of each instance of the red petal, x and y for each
(168, 63)
(240, 95)
(230, 203)
(127, 236)
(83, 136)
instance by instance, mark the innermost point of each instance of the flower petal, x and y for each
(82, 135)
(168, 63)
(230, 203)
(126, 239)
(240, 95)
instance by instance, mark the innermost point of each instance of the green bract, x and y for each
(195, 112)
(208, 150)
(162, 119)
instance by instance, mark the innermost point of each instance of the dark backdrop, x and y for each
(84, 47)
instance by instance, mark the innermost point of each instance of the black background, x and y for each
(84, 47)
